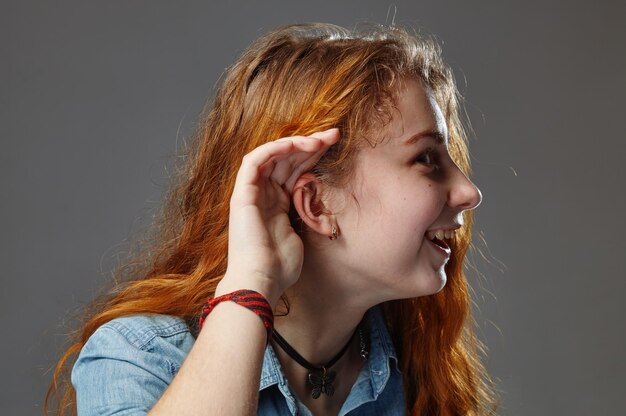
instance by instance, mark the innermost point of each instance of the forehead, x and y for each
(416, 112)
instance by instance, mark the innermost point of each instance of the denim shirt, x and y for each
(129, 362)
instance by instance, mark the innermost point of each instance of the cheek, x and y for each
(417, 205)
(400, 212)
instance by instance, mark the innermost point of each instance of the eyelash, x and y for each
(430, 154)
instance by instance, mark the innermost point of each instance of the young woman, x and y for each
(330, 172)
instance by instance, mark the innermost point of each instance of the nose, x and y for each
(463, 194)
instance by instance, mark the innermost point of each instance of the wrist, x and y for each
(233, 281)
(249, 299)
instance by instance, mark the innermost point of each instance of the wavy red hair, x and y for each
(298, 80)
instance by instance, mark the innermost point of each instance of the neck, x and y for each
(321, 319)
(323, 316)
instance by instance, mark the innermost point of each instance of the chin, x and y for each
(441, 285)
(434, 285)
(424, 283)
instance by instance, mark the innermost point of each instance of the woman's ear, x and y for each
(309, 200)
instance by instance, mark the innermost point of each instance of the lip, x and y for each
(445, 252)
(454, 227)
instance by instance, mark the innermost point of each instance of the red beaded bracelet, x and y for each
(249, 299)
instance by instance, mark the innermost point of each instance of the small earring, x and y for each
(334, 234)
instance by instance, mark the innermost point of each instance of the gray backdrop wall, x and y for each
(96, 97)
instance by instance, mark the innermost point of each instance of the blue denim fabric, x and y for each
(129, 362)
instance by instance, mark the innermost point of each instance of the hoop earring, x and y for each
(334, 233)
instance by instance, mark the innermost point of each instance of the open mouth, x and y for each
(441, 243)
(440, 240)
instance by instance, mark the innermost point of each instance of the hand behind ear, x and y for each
(264, 252)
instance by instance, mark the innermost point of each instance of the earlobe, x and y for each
(308, 202)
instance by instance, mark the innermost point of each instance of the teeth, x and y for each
(440, 234)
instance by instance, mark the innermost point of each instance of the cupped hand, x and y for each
(264, 252)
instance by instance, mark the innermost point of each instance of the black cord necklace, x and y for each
(319, 377)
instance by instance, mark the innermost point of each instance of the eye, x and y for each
(426, 158)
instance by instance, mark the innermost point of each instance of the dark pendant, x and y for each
(322, 382)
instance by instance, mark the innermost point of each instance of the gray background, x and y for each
(96, 97)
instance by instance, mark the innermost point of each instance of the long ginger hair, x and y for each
(294, 81)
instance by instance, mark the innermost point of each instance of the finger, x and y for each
(299, 162)
(267, 168)
(305, 166)
(330, 135)
(249, 171)
(250, 164)
(279, 167)
(295, 164)
(329, 138)
(302, 148)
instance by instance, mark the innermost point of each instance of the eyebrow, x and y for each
(435, 134)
